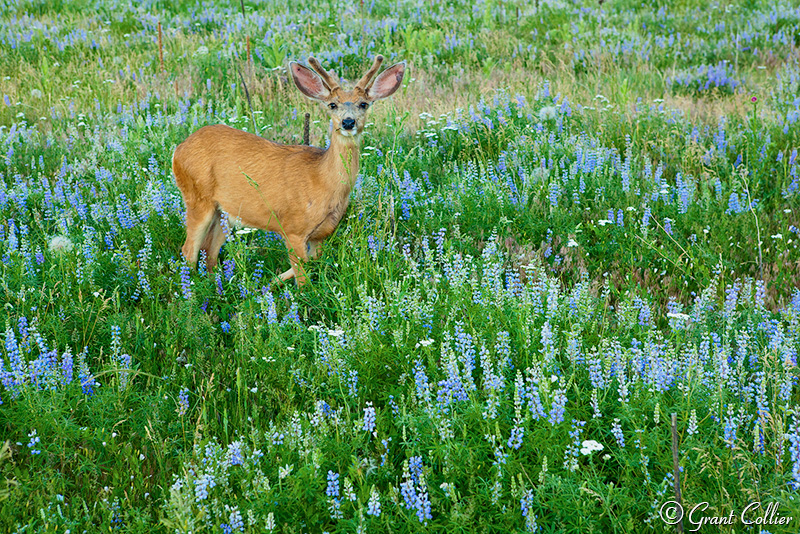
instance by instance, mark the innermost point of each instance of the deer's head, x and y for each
(347, 109)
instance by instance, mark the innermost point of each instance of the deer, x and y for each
(299, 191)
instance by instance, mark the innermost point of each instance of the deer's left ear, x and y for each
(388, 81)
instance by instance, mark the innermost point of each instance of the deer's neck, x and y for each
(341, 162)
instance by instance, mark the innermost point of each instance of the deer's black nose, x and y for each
(348, 124)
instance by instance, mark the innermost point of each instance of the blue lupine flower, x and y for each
(84, 375)
(385, 454)
(369, 418)
(352, 383)
(235, 520)
(731, 426)
(734, 206)
(34, 442)
(692, 430)
(375, 245)
(16, 376)
(515, 439)
(423, 505)
(573, 449)
(465, 346)
(646, 218)
(393, 405)
(127, 219)
(218, 281)
(616, 430)
(183, 402)
(794, 450)
(333, 484)
(66, 367)
(502, 348)
(203, 483)
(228, 266)
(526, 503)
(535, 402)
(409, 493)
(731, 299)
(374, 504)
(421, 381)
(558, 408)
(415, 467)
(186, 282)
(124, 364)
(595, 365)
(555, 192)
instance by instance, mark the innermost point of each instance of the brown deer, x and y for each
(299, 191)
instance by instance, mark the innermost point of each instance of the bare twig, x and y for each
(249, 104)
(306, 128)
(752, 209)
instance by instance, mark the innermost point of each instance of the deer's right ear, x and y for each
(309, 82)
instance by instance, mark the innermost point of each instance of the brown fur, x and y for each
(301, 192)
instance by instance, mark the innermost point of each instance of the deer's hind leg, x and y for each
(199, 219)
(213, 241)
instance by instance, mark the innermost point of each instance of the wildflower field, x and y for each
(573, 220)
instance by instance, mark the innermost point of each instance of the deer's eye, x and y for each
(363, 105)
(332, 105)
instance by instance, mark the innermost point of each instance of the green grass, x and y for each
(550, 241)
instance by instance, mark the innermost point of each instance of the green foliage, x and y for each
(553, 240)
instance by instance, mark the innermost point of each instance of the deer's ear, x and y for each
(388, 81)
(308, 81)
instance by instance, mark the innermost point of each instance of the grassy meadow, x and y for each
(573, 220)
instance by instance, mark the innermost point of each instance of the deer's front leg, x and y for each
(297, 256)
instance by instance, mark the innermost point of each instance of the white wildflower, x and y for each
(681, 316)
(60, 243)
(547, 113)
(285, 471)
(589, 446)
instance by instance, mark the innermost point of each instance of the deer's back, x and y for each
(246, 175)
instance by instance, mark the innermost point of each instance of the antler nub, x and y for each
(327, 79)
(366, 81)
